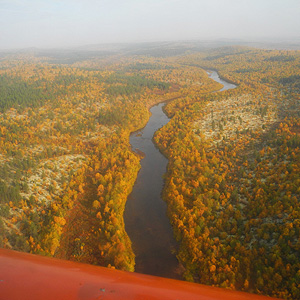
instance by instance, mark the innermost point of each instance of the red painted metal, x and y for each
(25, 276)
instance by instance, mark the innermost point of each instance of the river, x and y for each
(145, 216)
(226, 85)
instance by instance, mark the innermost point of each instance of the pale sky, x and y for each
(66, 23)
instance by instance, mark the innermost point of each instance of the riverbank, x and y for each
(186, 182)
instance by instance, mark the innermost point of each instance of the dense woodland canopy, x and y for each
(232, 186)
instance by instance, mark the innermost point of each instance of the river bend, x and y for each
(145, 215)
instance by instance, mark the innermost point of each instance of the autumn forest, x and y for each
(232, 185)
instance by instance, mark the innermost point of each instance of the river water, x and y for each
(226, 85)
(145, 216)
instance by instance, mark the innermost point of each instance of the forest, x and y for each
(232, 185)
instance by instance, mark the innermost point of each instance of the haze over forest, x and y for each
(66, 23)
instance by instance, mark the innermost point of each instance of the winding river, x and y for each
(226, 85)
(145, 217)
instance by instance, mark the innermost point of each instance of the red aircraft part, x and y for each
(26, 276)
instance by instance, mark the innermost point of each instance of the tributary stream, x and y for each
(145, 217)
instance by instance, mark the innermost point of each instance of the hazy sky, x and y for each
(53, 23)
